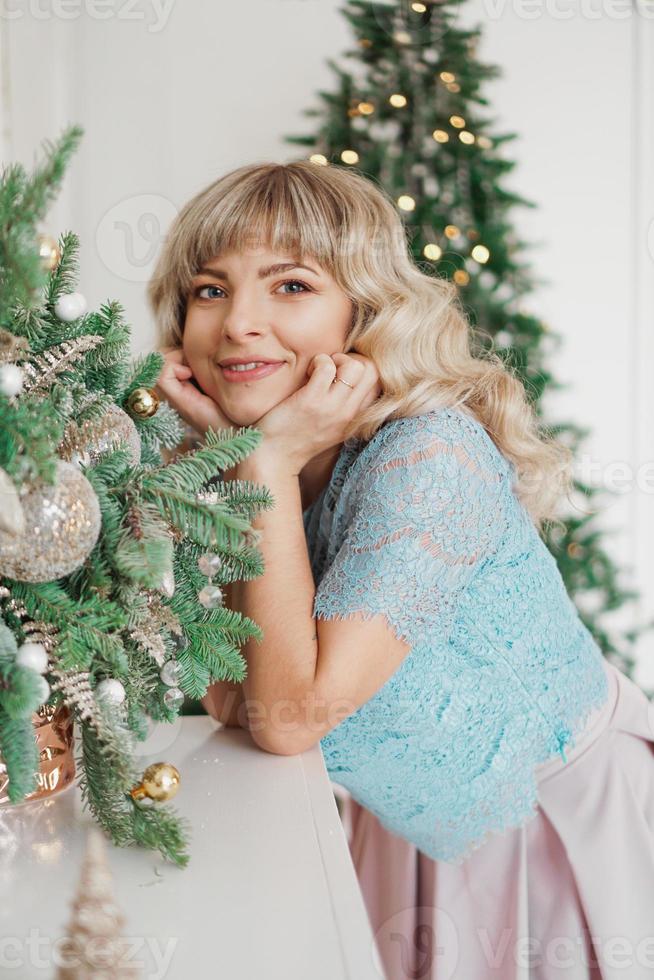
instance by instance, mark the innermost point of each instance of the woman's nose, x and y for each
(243, 317)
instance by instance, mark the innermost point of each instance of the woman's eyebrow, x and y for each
(263, 273)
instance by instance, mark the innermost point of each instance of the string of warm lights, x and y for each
(432, 251)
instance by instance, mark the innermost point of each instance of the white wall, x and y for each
(172, 96)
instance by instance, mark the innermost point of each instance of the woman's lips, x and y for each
(259, 372)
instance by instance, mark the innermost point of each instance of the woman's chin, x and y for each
(245, 418)
(247, 415)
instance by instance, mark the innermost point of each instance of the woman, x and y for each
(501, 815)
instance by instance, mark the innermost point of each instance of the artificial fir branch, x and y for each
(107, 773)
(23, 202)
(145, 374)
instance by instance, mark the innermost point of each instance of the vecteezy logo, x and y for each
(130, 235)
(410, 24)
(417, 937)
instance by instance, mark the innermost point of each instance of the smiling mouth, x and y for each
(237, 373)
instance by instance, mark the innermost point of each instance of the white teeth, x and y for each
(244, 367)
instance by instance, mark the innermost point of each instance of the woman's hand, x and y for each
(174, 384)
(315, 416)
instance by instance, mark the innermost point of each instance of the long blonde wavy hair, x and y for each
(410, 323)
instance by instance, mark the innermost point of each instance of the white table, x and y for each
(270, 890)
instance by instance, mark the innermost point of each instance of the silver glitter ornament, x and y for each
(211, 596)
(170, 673)
(209, 564)
(173, 698)
(167, 584)
(100, 435)
(62, 524)
(110, 690)
(12, 518)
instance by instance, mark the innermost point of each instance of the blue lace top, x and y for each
(421, 524)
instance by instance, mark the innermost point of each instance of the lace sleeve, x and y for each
(426, 516)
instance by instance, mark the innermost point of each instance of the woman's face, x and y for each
(239, 306)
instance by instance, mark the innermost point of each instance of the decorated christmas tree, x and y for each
(94, 945)
(407, 111)
(111, 557)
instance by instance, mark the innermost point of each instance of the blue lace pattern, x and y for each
(421, 524)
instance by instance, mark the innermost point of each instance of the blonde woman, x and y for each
(500, 770)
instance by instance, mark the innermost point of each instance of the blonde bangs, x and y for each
(276, 210)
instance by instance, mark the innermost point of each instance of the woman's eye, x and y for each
(200, 292)
(201, 289)
(295, 282)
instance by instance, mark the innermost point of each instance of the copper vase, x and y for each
(54, 730)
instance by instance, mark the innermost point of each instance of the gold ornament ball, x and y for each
(160, 782)
(49, 252)
(143, 403)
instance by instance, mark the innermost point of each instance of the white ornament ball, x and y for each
(70, 306)
(44, 690)
(34, 656)
(11, 380)
(110, 690)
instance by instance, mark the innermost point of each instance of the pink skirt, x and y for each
(569, 895)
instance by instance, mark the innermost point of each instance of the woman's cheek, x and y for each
(198, 366)
(192, 355)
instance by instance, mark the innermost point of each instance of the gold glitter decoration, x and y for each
(143, 403)
(62, 524)
(11, 347)
(100, 435)
(74, 685)
(49, 252)
(160, 782)
(42, 369)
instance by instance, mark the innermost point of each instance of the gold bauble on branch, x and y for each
(160, 782)
(143, 403)
(49, 252)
